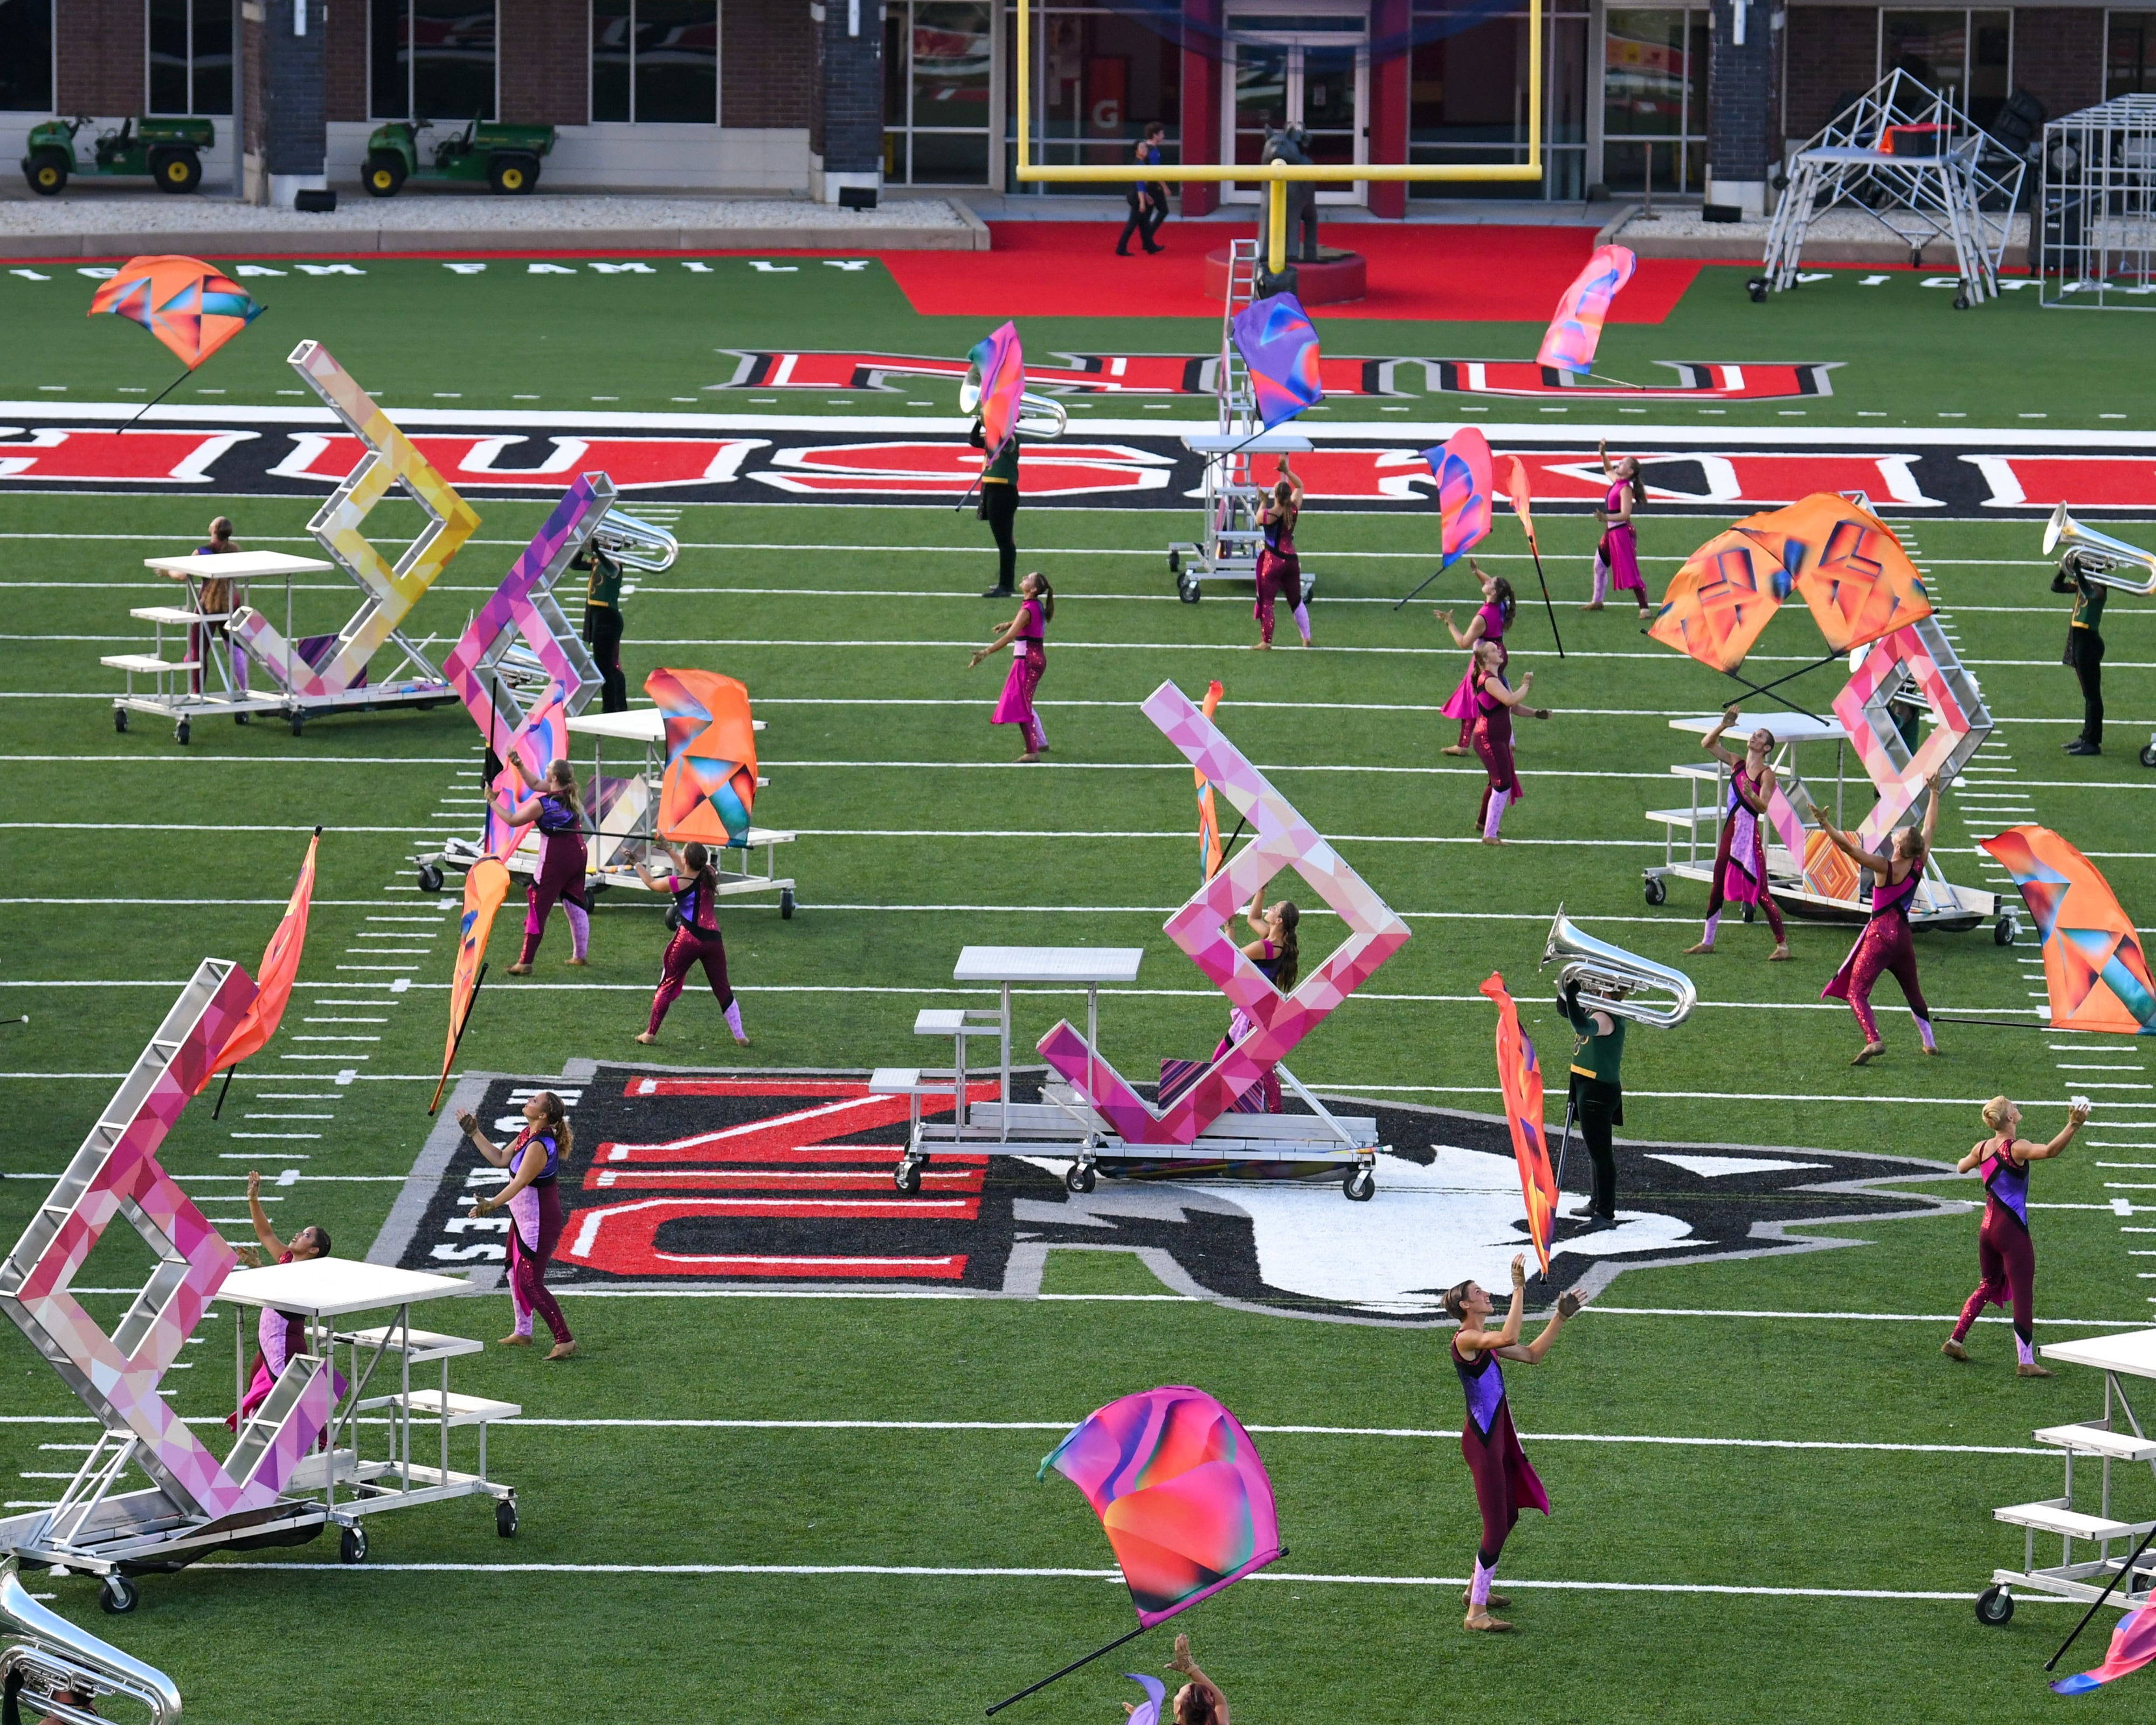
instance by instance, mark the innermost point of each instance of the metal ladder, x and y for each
(1238, 403)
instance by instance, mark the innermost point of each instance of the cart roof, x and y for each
(327, 1287)
(228, 563)
(643, 724)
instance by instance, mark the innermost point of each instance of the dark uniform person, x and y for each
(603, 626)
(1598, 1091)
(2084, 654)
(1000, 510)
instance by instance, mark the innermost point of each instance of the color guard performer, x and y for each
(1493, 736)
(1279, 568)
(1504, 1481)
(1277, 957)
(558, 809)
(1885, 943)
(1617, 558)
(1740, 859)
(695, 920)
(2005, 1255)
(1026, 635)
(534, 1159)
(1488, 623)
(278, 1335)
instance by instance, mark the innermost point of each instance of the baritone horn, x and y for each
(2099, 555)
(1602, 971)
(53, 1655)
(635, 544)
(1038, 416)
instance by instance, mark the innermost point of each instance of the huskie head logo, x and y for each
(782, 1180)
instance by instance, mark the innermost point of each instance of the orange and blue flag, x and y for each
(708, 790)
(1576, 331)
(1461, 465)
(192, 308)
(2096, 971)
(1520, 1078)
(1725, 593)
(1278, 344)
(1001, 361)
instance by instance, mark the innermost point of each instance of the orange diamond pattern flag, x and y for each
(190, 307)
(1726, 592)
(2095, 972)
(485, 887)
(1521, 1080)
(280, 968)
(709, 787)
(1849, 567)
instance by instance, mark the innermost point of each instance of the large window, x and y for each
(655, 61)
(1467, 98)
(1100, 79)
(2129, 64)
(430, 59)
(1654, 99)
(26, 55)
(937, 55)
(1967, 57)
(190, 56)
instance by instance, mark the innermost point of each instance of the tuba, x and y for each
(635, 544)
(1038, 416)
(1601, 970)
(2099, 554)
(53, 1655)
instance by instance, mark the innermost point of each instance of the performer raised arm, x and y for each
(1276, 953)
(1740, 859)
(278, 1335)
(1200, 1702)
(1503, 1479)
(534, 1159)
(559, 813)
(1279, 568)
(1617, 558)
(695, 920)
(1493, 736)
(1026, 635)
(1489, 623)
(1885, 943)
(2005, 1254)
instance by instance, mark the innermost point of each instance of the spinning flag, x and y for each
(1521, 1080)
(1146, 1711)
(1275, 338)
(485, 887)
(1462, 465)
(1849, 567)
(1001, 364)
(537, 744)
(184, 303)
(2095, 973)
(2132, 1646)
(1517, 483)
(280, 966)
(1180, 1491)
(1727, 591)
(1576, 329)
(1208, 822)
(710, 783)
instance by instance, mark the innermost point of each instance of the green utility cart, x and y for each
(169, 150)
(505, 157)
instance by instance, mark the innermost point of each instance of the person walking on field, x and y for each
(1026, 635)
(1279, 571)
(559, 879)
(1740, 861)
(1617, 558)
(1147, 198)
(694, 920)
(534, 1159)
(2005, 1255)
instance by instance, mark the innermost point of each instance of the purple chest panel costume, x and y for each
(2006, 1183)
(1504, 1480)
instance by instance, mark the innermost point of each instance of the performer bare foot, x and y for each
(562, 1350)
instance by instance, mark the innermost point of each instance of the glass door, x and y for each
(1313, 73)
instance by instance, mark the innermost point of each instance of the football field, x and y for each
(813, 1498)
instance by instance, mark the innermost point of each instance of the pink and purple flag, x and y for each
(1275, 338)
(1002, 363)
(1576, 329)
(1185, 1502)
(2132, 1646)
(1462, 467)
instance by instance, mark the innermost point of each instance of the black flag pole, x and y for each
(1534, 552)
(219, 1108)
(2052, 1662)
(1433, 576)
(154, 400)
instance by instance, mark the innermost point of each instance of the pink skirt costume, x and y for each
(1618, 556)
(1492, 739)
(1029, 661)
(696, 940)
(2005, 1254)
(1279, 572)
(1505, 1482)
(277, 1336)
(1241, 1024)
(535, 1218)
(1885, 944)
(1461, 704)
(1740, 859)
(560, 879)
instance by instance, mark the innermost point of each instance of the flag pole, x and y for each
(1066, 1671)
(1433, 576)
(153, 401)
(1564, 1144)
(478, 982)
(219, 1108)
(1535, 551)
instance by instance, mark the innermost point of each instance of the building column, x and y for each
(1391, 71)
(283, 71)
(1743, 153)
(1201, 100)
(845, 113)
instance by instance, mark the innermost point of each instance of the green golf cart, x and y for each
(505, 157)
(168, 150)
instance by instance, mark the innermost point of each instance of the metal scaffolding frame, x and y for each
(1966, 194)
(2097, 211)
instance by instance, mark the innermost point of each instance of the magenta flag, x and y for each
(2132, 1646)
(1576, 331)
(1462, 467)
(1001, 362)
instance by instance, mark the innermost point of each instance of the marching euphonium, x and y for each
(53, 1654)
(2099, 554)
(635, 544)
(1038, 416)
(1612, 977)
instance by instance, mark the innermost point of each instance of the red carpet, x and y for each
(1468, 274)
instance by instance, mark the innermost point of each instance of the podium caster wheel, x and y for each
(786, 904)
(504, 1518)
(1081, 1177)
(1360, 1186)
(907, 1178)
(430, 878)
(1657, 890)
(2006, 931)
(352, 1546)
(118, 1596)
(182, 731)
(120, 719)
(2148, 754)
(1995, 1607)
(298, 724)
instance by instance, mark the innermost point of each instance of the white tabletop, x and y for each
(225, 565)
(1787, 727)
(643, 724)
(329, 1287)
(1048, 964)
(2131, 1353)
(1254, 443)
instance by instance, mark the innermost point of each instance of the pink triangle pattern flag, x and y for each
(1464, 487)
(1576, 331)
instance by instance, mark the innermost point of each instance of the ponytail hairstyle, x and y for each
(1193, 1706)
(698, 861)
(1047, 596)
(1507, 606)
(553, 1120)
(1998, 1113)
(1283, 494)
(1639, 484)
(562, 778)
(1291, 961)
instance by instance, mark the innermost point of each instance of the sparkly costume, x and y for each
(1029, 661)
(2005, 1255)
(1504, 1480)
(1740, 859)
(1884, 945)
(1492, 738)
(1241, 1024)
(559, 879)
(1461, 704)
(1279, 571)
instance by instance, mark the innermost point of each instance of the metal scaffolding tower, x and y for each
(2097, 248)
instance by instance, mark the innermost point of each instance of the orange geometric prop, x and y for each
(709, 787)
(1828, 870)
(184, 303)
(2096, 973)
(1849, 567)
(1724, 595)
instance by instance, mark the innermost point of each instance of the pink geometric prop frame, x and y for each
(116, 1175)
(1283, 840)
(1918, 653)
